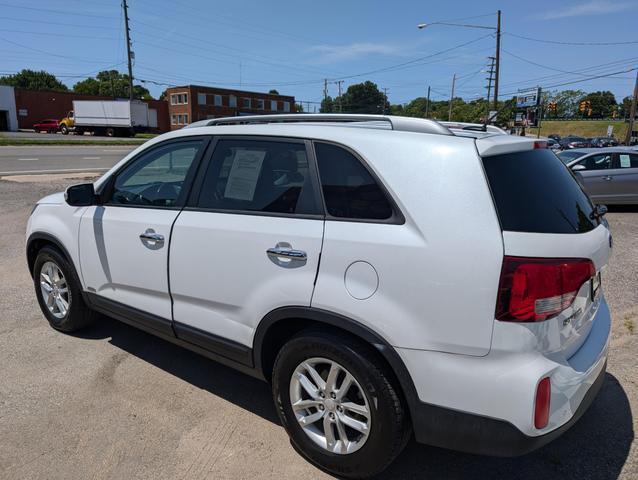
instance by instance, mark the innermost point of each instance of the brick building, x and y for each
(191, 103)
(35, 105)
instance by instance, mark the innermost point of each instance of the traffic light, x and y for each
(582, 105)
(552, 106)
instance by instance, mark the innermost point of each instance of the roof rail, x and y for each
(406, 124)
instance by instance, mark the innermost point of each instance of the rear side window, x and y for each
(258, 176)
(597, 162)
(534, 192)
(349, 190)
(627, 160)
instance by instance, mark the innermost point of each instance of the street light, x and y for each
(497, 29)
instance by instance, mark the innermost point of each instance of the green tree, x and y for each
(566, 102)
(625, 108)
(111, 83)
(32, 80)
(363, 98)
(327, 105)
(272, 91)
(602, 104)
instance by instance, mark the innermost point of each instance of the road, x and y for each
(113, 402)
(20, 160)
(31, 135)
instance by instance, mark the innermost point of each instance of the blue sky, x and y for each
(293, 45)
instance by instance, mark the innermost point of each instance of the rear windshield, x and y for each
(534, 192)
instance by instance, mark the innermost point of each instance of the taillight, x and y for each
(541, 405)
(540, 144)
(535, 289)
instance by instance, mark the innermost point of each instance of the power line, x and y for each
(555, 42)
(49, 34)
(38, 9)
(543, 66)
(58, 23)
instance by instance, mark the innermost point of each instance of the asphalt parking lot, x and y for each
(114, 402)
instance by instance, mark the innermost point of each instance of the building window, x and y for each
(273, 105)
(201, 99)
(245, 102)
(218, 100)
(179, 98)
(260, 104)
(232, 101)
(174, 119)
(286, 106)
(186, 119)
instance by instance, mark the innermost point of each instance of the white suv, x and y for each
(383, 274)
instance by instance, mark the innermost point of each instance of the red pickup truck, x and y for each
(48, 125)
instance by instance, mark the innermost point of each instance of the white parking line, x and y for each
(116, 150)
(61, 170)
(27, 159)
(91, 158)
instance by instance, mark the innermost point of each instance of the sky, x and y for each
(292, 46)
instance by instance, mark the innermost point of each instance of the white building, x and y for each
(8, 114)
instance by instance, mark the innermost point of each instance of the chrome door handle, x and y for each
(608, 178)
(151, 239)
(279, 252)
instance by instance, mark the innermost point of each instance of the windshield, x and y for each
(534, 192)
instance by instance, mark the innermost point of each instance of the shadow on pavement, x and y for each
(622, 208)
(596, 447)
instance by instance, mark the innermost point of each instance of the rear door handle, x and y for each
(608, 178)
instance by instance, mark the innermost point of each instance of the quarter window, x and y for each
(155, 178)
(349, 190)
(258, 176)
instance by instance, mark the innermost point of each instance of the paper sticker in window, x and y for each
(625, 161)
(243, 176)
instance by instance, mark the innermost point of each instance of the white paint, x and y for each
(91, 158)
(27, 159)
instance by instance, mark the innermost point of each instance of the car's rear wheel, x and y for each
(64, 129)
(337, 402)
(59, 292)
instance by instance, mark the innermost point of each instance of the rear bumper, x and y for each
(485, 405)
(466, 432)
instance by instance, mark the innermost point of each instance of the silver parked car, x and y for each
(609, 175)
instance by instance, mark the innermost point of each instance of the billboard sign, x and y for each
(528, 98)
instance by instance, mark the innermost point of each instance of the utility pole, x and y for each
(128, 51)
(385, 99)
(325, 89)
(632, 113)
(427, 103)
(498, 57)
(339, 82)
(490, 79)
(449, 115)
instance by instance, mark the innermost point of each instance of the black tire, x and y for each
(78, 314)
(110, 132)
(390, 428)
(64, 129)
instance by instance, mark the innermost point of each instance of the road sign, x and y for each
(610, 131)
(528, 98)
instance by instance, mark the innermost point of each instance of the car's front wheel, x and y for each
(335, 398)
(59, 292)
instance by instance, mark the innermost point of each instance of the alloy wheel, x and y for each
(330, 405)
(54, 289)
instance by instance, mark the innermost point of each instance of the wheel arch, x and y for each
(282, 323)
(37, 241)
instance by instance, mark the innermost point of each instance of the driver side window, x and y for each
(597, 162)
(155, 178)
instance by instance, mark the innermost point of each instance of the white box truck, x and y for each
(112, 118)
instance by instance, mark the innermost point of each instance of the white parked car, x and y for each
(383, 274)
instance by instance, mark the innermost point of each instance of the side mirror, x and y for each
(578, 167)
(81, 195)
